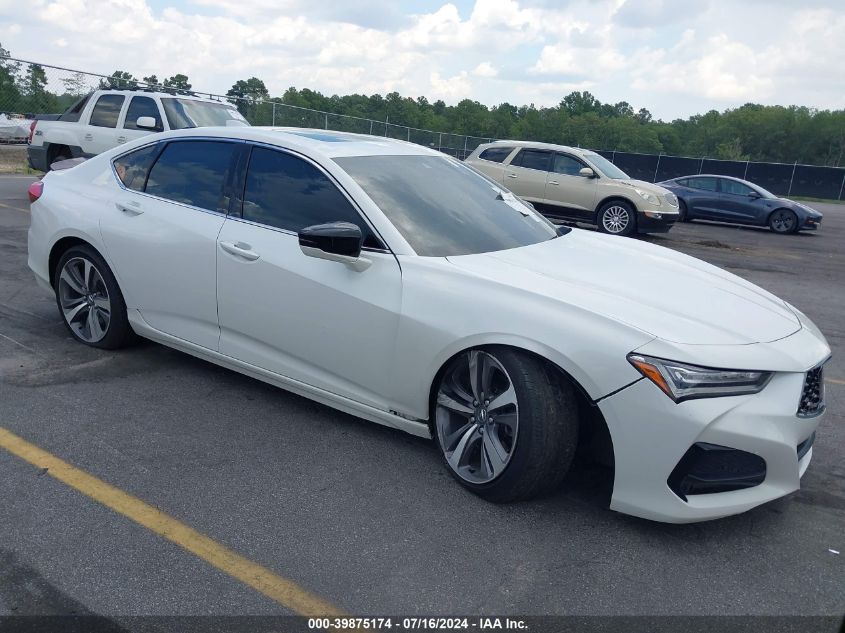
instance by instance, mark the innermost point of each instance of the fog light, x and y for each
(653, 214)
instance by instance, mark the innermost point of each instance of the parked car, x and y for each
(104, 119)
(575, 184)
(728, 199)
(395, 283)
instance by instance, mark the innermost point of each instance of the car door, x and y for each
(318, 322)
(139, 106)
(101, 132)
(702, 198)
(737, 202)
(527, 172)
(162, 233)
(567, 191)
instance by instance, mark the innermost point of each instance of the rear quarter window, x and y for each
(132, 168)
(495, 154)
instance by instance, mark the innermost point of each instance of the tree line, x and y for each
(750, 132)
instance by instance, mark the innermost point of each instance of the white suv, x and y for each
(576, 184)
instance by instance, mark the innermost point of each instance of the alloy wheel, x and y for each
(84, 299)
(477, 417)
(783, 221)
(615, 219)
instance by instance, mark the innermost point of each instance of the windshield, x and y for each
(763, 192)
(185, 113)
(443, 208)
(606, 167)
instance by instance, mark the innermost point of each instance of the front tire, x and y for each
(617, 218)
(90, 301)
(506, 424)
(682, 211)
(783, 221)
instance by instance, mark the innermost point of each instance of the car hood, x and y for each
(642, 184)
(661, 292)
(800, 205)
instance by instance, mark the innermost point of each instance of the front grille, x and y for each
(709, 468)
(812, 394)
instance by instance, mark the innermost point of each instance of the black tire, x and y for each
(617, 217)
(783, 221)
(117, 331)
(60, 155)
(547, 432)
(682, 211)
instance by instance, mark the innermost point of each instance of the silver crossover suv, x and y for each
(576, 184)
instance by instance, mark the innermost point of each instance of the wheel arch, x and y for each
(594, 432)
(614, 197)
(60, 246)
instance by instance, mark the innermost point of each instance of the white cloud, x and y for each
(485, 69)
(651, 53)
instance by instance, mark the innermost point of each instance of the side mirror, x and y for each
(335, 241)
(587, 172)
(754, 195)
(146, 123)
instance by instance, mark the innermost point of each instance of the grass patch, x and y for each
(13, 161)
(825, 200)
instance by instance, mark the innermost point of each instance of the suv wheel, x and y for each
(617, 218)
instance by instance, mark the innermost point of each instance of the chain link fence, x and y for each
(31, 90)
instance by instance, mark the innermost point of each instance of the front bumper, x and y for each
(811, 224)
(656, 220)
(660, 447)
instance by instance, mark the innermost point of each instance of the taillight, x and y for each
(35, 190)
(31, 131)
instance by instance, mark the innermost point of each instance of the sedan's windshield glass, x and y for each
(606, 167)
(763, 192)
(443, 208)
(185, 113)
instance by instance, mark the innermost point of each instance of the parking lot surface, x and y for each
(363, 517)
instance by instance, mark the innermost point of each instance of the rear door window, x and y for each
(194, 173)
(132, 168)
(533, 159)
(705, 184)
(107, 110)
(142, 106)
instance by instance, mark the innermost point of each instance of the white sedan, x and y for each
(397, 284)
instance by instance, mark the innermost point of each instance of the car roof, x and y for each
(326, 143)
(151, 93)
(538, 145)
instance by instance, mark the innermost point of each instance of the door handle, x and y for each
(240, 249)
(89, 137)
(121, 139)
(553, 182)
(130, 208)
(511, 175)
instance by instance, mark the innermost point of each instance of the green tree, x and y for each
(177, 84)
(247, 94)
(119, 80)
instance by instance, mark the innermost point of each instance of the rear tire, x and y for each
(89, 299)
(511, 435)
(617, 217)
(783, 221)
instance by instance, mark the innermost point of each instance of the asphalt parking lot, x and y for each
(363, 517)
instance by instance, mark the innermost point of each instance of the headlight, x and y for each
(648, 196)
(682, 382)
(671, 199)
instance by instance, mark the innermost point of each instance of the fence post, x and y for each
(386, 123)
(657, 167)
(466, 140)
(745, 175)
(327, 120)
(371, 127)
(701, 165)
(409, 135)
(841, 187)
(274, 114)
(613, 158)
(440, 149)
(791, 178)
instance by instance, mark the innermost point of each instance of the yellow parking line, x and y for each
(6, 206)
(283, 591)
(835, 381)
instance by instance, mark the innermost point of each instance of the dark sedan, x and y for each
(727, 199)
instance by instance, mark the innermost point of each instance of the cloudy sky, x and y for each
(674, 57)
